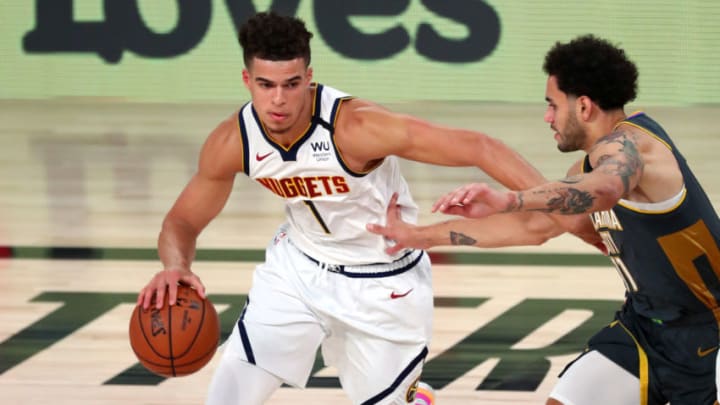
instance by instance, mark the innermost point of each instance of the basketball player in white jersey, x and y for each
(326, 282)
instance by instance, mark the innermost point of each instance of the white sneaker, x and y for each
(425, 395)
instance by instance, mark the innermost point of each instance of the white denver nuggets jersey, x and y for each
(327, 204)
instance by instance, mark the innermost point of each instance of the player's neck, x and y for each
(615, 117)
(605, 124)
(289, 136)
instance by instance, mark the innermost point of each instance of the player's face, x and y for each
(561, 115)
(280, 95)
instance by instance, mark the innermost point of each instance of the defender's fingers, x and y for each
(394, 249)
(393, 199)
(393, 210)
(393, 213)
(458, 198)
(376, 229)
(441, 203)
(455, 210)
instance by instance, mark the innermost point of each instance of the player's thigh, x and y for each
(685, 362)
(276, 330)
(285, 350)
(237, 382)
(379, 355)
(377, 371)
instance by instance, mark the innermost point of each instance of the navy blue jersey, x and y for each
(667, 253)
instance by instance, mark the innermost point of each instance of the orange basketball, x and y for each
(175, 340)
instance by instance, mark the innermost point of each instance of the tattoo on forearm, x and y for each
(516, 205)
(457, 238)
(569, 201)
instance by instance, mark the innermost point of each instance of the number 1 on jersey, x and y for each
(316, 214)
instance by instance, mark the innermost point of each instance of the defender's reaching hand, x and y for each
(398, 231)
(476, 200)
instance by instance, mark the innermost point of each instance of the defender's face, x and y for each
(561, 115)
(279, 91)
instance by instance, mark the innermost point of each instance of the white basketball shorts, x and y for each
(373, 322)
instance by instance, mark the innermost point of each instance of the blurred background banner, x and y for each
(389, 51)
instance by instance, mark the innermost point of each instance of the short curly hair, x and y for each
(593, 67)
(270, 36)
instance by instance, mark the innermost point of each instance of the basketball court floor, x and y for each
(84, 188)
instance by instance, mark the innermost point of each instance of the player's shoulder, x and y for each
(356, 103)
(221, 139)
(221, 154)
(226, 129)
(629, 129)
(358, 118)
(358, 109)
(350, 103)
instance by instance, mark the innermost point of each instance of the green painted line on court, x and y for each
(258, 255)
(517, 369)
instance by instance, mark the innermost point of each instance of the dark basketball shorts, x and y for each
(674, 362)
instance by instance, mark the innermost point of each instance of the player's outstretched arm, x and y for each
(370, 133)
(201, 200)
(499, 230)
(516, 229)
(618, 168)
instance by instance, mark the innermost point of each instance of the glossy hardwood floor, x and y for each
(84, 187)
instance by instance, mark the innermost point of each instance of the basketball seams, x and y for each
(198, 331)
(197, 347)
(179, 365)
(199, 328)
(144, 336)
(170, 342)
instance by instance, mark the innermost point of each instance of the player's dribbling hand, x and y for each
(166, 281)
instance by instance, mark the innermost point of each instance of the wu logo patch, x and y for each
(320, 146)
(321, 150)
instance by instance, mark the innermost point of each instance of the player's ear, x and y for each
(585, 107)
(309, 74)
(246, 78)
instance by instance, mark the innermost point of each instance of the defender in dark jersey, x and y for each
(657, 225)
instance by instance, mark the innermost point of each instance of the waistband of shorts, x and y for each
(699, 318)
(373, 270)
